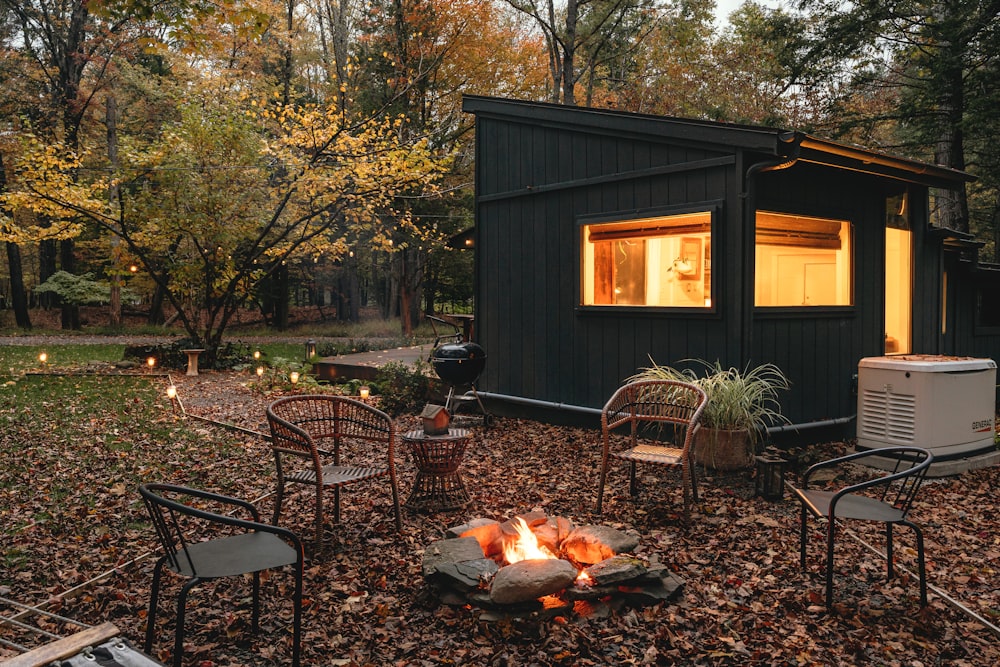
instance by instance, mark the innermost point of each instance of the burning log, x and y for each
(535, 564)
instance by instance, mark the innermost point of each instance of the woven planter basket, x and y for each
(723, 450)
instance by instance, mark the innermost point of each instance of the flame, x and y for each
(525, 546)
(584, 579)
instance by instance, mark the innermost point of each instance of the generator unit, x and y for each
(944, 404)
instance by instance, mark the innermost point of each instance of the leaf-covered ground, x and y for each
(72, 518)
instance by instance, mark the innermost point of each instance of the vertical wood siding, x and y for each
(537, 179)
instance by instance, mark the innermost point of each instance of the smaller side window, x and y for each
(802, 261)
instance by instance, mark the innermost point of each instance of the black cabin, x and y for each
(605, 239)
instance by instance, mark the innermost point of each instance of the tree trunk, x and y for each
(410, 267)
(70, 311)
(281, 298)
(19, 298)
(115, 307)
(156, 306)
(569, 53)
(348, 294)
(47, 253)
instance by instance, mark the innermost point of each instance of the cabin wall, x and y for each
(534, 184)
(538, 179)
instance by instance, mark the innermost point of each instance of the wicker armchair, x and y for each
(330, 442)
(652, 409)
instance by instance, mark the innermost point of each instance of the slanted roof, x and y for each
(776, 142)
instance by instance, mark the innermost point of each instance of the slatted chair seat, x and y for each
(330, 442)
(337, 475)
(660, 408)
(646, 453)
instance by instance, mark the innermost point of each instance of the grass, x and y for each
(18, 359)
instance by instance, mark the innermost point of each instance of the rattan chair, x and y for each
(236, 547)
(330, 442)
(662, 417)
(885, 495)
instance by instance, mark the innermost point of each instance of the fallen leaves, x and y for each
(71, 514)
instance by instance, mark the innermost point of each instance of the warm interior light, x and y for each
(171, 392)
(260, 371)
(294, 377)
(43, 357)
(525, 546)
(151, 361)
(133, 268)
(364, 392)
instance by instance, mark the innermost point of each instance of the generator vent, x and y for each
(889, 416)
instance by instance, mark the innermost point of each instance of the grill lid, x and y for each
(459, 363)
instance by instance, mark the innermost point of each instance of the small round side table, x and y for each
(438, 485)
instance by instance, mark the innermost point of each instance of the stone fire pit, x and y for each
(585, 570)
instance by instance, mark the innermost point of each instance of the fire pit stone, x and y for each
(580, 569)
(531, 579)
(592, 544)
(456, 550)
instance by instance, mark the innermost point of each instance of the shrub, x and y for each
(401, 387)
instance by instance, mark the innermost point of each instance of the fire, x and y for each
(525, 546)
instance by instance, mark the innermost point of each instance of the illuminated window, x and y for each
(802, 261)
(662, 261)
(898, 276)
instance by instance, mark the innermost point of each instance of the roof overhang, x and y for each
(856, 158)
(780, 143)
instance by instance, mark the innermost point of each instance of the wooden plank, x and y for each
(63, 648)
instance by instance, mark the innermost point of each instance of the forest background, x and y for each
(188, 160)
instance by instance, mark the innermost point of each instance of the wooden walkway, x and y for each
(365, 365)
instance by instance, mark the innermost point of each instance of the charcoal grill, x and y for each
(460, 364)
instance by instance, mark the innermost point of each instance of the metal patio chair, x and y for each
(652, 409)
(359, 442)
(235, 547)
(886, 496)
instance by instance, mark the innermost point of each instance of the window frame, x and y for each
(714, 210)
(826, 309)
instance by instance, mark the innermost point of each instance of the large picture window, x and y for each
(661, 261)
(802, 261)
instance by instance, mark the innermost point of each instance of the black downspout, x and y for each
(789, 141)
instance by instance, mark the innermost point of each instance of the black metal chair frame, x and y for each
(887, 498)
(245, 547)
(653, 404)
(299, 424)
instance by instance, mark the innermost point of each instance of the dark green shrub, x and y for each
(402, 388)
(171, 356)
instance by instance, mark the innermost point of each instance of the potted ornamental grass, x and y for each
(741, 405)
